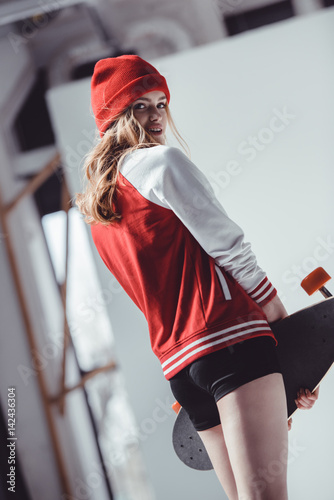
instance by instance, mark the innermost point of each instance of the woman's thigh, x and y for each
(254, 421)
(215, 446)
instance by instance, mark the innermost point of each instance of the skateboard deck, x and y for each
(306, 353)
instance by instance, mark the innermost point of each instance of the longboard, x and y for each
(306, 353)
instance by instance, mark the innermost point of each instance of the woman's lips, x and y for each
(155, 130)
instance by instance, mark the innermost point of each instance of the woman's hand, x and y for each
(305, 401)
(274, 310)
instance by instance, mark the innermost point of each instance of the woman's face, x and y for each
(150, 111)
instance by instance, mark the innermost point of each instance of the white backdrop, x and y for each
(257, 113)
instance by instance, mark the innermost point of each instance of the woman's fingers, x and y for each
(306, 399)
(303, 405)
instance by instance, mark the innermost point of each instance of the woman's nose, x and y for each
(155, 115)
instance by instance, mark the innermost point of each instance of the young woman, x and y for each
(161, 231)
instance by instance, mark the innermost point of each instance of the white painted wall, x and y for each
(225, 96)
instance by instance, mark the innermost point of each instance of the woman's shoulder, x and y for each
(147, 168)
(159, 157)
(156, 152)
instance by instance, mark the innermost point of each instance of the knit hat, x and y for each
(117, 82)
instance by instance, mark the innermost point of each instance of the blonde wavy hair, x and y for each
(101, 165)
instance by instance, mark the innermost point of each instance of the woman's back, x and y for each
(190, 308)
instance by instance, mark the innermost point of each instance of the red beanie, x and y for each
(117, 82)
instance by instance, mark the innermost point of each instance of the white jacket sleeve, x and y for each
(186, 191)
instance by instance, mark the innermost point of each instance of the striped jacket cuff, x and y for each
(263, 293)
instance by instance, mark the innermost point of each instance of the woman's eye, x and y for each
(140, 105)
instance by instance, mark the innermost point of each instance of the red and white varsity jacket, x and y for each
(181, 259)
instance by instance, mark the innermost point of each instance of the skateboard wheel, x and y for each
(176, 407)
(315, 280)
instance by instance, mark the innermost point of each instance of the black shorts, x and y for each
(201, 384)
